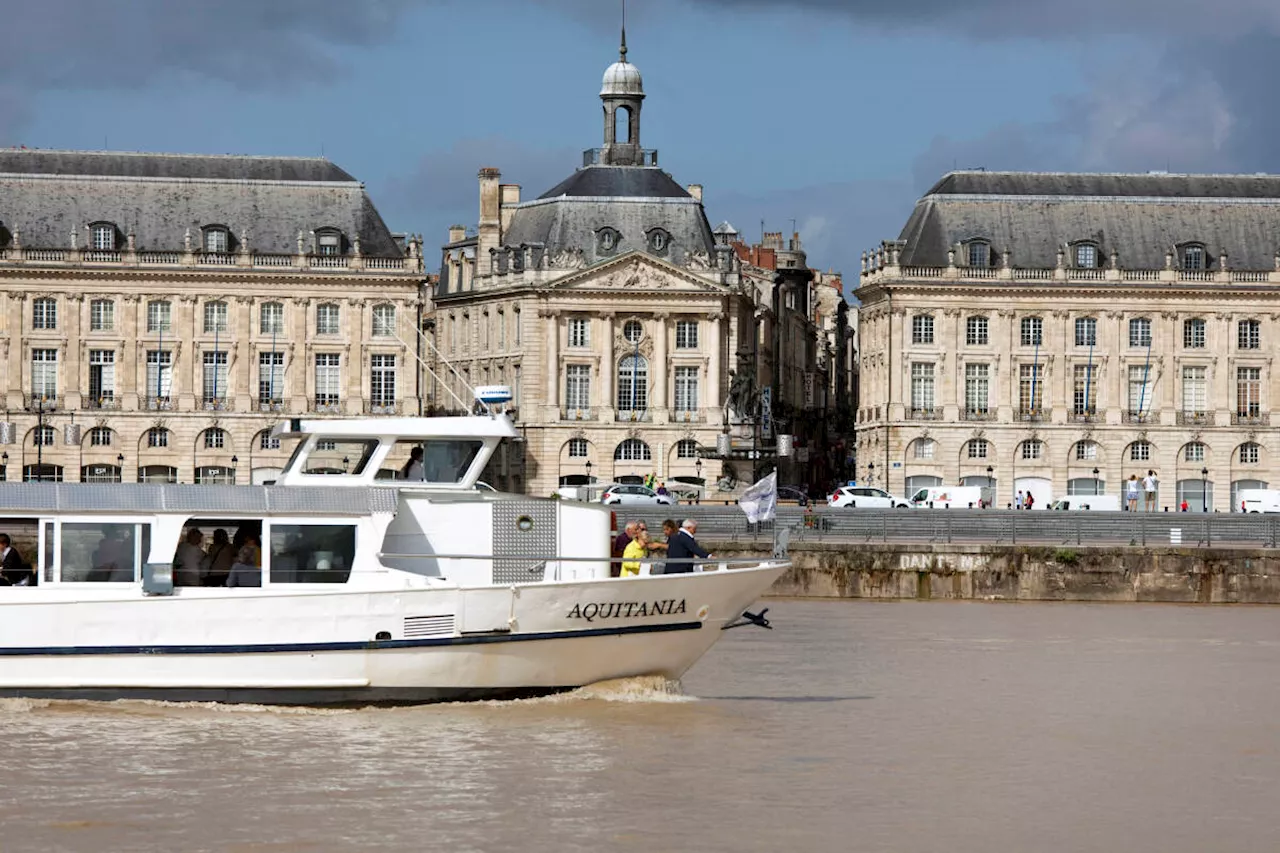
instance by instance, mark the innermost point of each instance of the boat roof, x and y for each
(475, 426)
(159, 499)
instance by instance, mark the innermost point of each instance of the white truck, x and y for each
(1096, 503)
(952, 497)
(1258, 500)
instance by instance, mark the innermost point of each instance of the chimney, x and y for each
(695, 190)
(510, 195)
(457, 233)
(490, 217)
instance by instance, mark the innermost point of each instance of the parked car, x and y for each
(1097, 503)
(627, 494)
(864, 497)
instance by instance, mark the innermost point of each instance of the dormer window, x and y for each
(607, 240)
(329, 242)
(1086, 256)
(217, 240)
(1194, 258)
(102, 237)
(979, 254)
(659, 241)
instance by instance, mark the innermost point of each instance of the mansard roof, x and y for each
(1140, 217)
(46, 195)
(618, 182)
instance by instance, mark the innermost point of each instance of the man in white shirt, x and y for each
(1150, 485)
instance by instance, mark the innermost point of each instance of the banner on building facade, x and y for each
(766, 412)
(808, 389)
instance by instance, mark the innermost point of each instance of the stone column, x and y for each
(553, 360)
(713, 398)
(661, 373)
(607, 366)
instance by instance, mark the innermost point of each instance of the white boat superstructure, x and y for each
(363, 589)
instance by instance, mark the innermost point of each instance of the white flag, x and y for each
(760, 501)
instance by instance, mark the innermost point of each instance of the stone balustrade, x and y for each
(878, 271)
(344, 263)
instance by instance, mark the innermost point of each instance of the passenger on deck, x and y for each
(682, 548)
(244, 572)
(186, 563)
(637, 549)
(219, 559)
(620, 543)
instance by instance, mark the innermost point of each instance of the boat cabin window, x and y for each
(444, 460)
(335, 456)
(312, 553)
(102, 552)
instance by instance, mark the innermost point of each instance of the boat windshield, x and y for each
(335, 456)
(444, 460)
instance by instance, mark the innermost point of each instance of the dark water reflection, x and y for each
(853, 726)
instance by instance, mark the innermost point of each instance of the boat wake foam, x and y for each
(640, 688)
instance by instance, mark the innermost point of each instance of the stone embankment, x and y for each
(1024, 573)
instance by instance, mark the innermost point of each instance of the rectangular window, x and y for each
(1084, 396)
(1086, 332)
(1140, 332)
(979, 255)
(1249, 454)
(101, 552)
(977, 332)
(330, 244)
(1195, 452)
(1032, 450)
(1086, 256)
(1140, 451)
(922, 398)
(579, 332)
(1140, 396)
(978, 448)
(1030, 388)
(328, 379)
(44, 374)
(384, 321)
(1086, 451)
(1032, 329)
(1249, 334)
(102, 315)
(976, 388)
(215, 240)
(215, 376)
(159, 317)
(44, 314)
(1193, 334)
(327, 319)
(686, 334)
(922, 329)
(686, 389)
(159, 374)
(1193, 258)
(271, 319)
(1195, 394)
(104, 238)
(924, 448)
(1248, 391)
(270, 377)
(382, 380)
(215, 317)
(312, 553)
(577, 388)
(633, 384)
(102, 375)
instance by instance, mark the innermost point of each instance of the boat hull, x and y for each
(358, 648)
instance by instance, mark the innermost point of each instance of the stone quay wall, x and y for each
(1023, 573)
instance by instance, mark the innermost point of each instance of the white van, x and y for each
(1259, 500)
(952, 497)
(1096, 503)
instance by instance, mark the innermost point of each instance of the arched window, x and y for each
(157, 437)
(1086, 451)
(577, 448)
(271, 318)
(924, 448)
(632, 331)
(632, 450)
(1032, 449)
(157, 474)
(1140, 451)
(43, 436)
(215, 475)
(686, 448)
(215, 317)
(1250, 453)
(1194, 452)
(267, 441)
(633, 384)
(384, 321)
(215, 438)
(100, 437)
(978, 448)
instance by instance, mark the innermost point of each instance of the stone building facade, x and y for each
(1060, 333)
(634, 338)
(159, 313)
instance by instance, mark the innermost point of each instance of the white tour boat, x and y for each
(370, 590)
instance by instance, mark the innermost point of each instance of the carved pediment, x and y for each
(637, 273)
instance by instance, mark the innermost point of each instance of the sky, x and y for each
(832, 116)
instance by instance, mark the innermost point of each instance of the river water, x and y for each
(853, 726)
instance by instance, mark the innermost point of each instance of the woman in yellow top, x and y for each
(637, 549)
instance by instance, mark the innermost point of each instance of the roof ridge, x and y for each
(124, 153)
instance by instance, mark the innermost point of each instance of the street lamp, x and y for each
(588, 472)
(1095, 482)
(120, 467)
(235, 460)
(871, 473)
(4, 466)
(1204, 489)
(990, 485)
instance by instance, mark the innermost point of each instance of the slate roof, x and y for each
(45, 195)
(1141, 217)
(633, 200)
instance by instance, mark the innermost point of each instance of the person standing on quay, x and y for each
(1131, 488)
(1149, 486)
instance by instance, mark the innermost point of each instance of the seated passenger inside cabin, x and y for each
(247, 569)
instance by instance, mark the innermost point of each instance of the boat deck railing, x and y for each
(550, 567)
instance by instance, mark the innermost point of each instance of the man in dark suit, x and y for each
(13, 571)
(682, 548)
